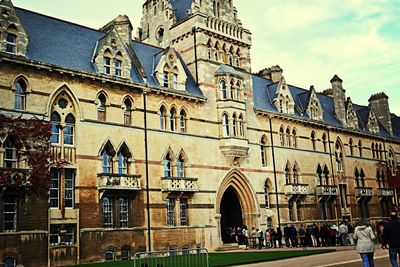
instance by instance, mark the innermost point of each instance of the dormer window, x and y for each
(165, 78)
(107, 65)
(11, 44)
(175, 79)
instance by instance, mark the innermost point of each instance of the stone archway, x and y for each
(236, 203)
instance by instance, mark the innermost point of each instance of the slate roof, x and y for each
(227, 69)
(68, 45)
(264, 92)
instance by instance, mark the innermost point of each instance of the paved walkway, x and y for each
(343, 257)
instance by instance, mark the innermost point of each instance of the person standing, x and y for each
(365, 243)
(391, 236)
(344, 232)
(351, 233)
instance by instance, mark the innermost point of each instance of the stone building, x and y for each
(176, 116)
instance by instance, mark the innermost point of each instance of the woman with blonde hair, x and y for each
(365, 242)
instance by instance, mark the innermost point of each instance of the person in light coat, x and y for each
(365, 242)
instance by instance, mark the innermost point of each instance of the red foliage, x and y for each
(392, 173)
(33, 135)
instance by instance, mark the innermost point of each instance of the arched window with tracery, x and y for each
(124, 156)
(241, 125)
(107, 161)
(295, 176)
(69, 129)
(11, 40)
(362, 178)
(319, 175)
(235, 125)
(19, 94)
(326, 175)
(55, 127)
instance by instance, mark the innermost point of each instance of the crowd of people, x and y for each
(363, 236)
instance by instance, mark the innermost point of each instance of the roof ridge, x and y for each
(58, 19)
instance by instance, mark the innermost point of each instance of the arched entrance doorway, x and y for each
(231, 214)
(236, 204)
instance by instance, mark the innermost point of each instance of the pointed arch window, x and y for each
(295, 177)
(225, 125)
(19, 95)
(235, 122)
(339, 157)
(172, 119)
(216, 52)
(351, 145)
(69, 129)
(360, 148)
(362, 178)
(127, 108)
(282, 137)
(101, 107)
(380, 152)
(324, 142)
(378, 179)
(313, 141)
(373, 150)
(107, 163)
(163, 118)
(122, 163)
(326, 175)
(356, 178)
(288, 137)
(238, 91)
(182, 121)
(241, 125)
(294, 138)
(209, 50)
(118, 64)
(107, 62)
(267, 195)
(263, 149)
(175, 78)
(287, 174)
(222, 88)
(232, 89)
(237, 58)
(55, 128)
(319, 175)
(180, 166)
(168, 166)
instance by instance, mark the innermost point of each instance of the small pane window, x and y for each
(127, 112)
(54, 188)
(182, 121)
(162, 118)
(172, 120)
(110, 255)
(184, 212)
(122, 164)
(123, 212)
(10, 262)
(10, 155)
(167, 166)
(101, 108)
(107, 162)
(11, 44)
(170, 212)
(10, 213)
(225, 125)
(166, 79)
(107, 213)
(175, 81)
(69, 188)
(181, 167)
(222, 87)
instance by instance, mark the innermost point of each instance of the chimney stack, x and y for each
(273, 73)
(339, 98)
(379, 102)
(122, 25)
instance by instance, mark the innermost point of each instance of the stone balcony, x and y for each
(385, 192)
(113, 181)
(18, 176)
(363, 191)
(62, 153)
(327, 190)
(234, 149)
(179, 184)
(296, 189)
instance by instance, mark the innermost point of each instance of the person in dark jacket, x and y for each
(391, 236)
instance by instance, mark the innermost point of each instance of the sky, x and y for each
(311, 40)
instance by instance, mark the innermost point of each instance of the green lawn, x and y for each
(222, 259)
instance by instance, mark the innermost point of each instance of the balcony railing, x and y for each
(62, 153)
(111, 181)
(296, 189)
(327, 190)
(385, 192)
(179, 184)
(363, 191)
(20, 177)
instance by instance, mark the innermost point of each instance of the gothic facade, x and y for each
(168, 138)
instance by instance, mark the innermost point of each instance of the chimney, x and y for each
(339, 98)
(274, 73)
(379, 102)
(122, 25)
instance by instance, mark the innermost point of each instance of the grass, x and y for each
(222, 259)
